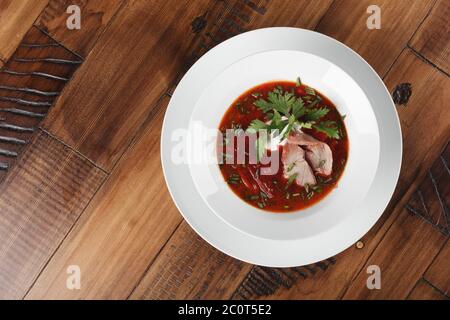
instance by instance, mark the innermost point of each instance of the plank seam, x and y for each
(379, 242)
(422, 22)
(105, 179)
(73, 150)
(434, 287)
(153, 260)
(58, 42)
(424, 59)
(113, 17)
(324, 14)
(153, 112)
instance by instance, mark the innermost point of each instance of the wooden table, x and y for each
(81, 113)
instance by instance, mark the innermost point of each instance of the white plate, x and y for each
(253, 235)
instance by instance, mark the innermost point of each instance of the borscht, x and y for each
(283, 146)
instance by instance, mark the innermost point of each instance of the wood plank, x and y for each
(354, 253)
(121, 231)
(152, 214)
(99, 285)
(438, 274)
(231, 18)
(432, 199)
(424, 291)
(294, 13)
(16, 17)
(130, 67)
(409, 68)
(432, 40)
(100, 130)
(346, 22)
(18, 90)
(95, 16)
(403, 255)
(189, 268)
(41, 199)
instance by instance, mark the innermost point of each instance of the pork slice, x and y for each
(318, 153)
(293, 159)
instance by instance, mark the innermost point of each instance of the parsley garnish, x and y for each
(330, 128)
(286, 112)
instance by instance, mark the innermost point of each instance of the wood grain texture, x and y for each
(439, 272)
(28, 87)
(225, 19)
(264, 281)
(432, 199)
(16, 17)
(132, 217)
(432, 40)
(121, 231)
(346, 22)
(189, 268)
(333, 283)
(113, 79)
(221, 22)
(95, 16)
(424, 291)
(132, 64)
(403, 255)
(40, 200)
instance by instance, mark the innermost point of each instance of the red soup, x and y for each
(310, 147)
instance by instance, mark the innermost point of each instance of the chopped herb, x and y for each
(310, 91)
(291, 180)
(256, 94)
(242, 109)
(296, 194)
(261, 205)
(286, 207)
(343, 117)
(329, 128)
(288, 195)
(298, 82)
(322, 163)
(290, 167)
(253, 197)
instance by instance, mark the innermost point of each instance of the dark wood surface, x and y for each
(107, 208)
(28, 87)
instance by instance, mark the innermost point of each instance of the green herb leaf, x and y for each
(290, 166)
(291, 179)
(298, 108)
(307, 125)
(263, 105)
(316, 114)
(310, 91)
(255, 126)
(298, 82)
(330, 128)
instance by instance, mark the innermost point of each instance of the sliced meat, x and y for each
(318, 153)
(294, 162)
